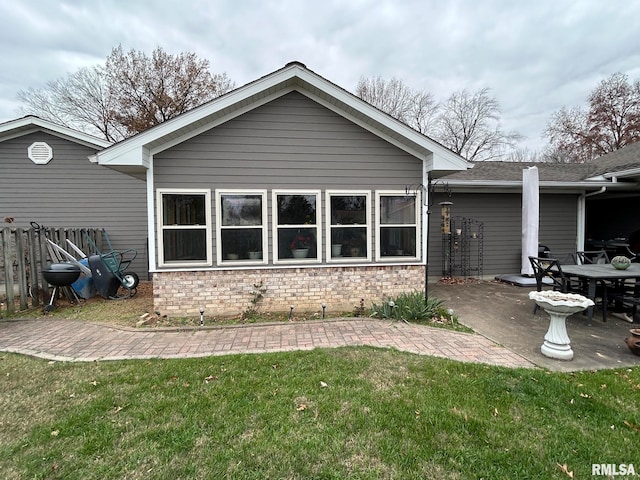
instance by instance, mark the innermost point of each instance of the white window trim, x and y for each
(398, 193)
(160, 228)
(265, 244)
(328, 195)
(274, 229)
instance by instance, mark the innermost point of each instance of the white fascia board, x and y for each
(452, 160)
(135, 155)
(471, 184)
(632, 172)
(220, 120)
(268, 88)
(26, 125)
(166, 128)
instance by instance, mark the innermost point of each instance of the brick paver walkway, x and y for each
(67, 340)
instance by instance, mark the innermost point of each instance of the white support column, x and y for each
(151, 224)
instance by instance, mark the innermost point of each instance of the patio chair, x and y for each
(633, 250)
(593, 256)
(548, 269)
(551, 269)
(626, 297)
(604, 288)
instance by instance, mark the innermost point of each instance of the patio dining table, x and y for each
(595, 272)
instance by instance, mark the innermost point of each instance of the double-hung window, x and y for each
(184, 227)
(349, 225)
(296, 226)
(241, 226)
(397, 218)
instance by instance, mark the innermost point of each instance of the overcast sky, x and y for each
(535, 56)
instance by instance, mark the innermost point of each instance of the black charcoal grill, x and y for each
(59, 275)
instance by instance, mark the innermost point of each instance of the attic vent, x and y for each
(40, 153)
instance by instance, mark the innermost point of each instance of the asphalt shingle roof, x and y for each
(624, 159)
(512, 171)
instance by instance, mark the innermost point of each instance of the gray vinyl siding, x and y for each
(501, 214)
(70, 191)
(289, 143)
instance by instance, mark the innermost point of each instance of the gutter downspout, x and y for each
(426, 201)
(582, 210)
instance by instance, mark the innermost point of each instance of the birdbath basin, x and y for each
(559, 306)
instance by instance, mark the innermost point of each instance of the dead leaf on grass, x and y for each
(302, 407)
(210, 378)
(564, 469)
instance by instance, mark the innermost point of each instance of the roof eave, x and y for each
(564, 185)
(292, 77)
(631, 172)
(30, 124)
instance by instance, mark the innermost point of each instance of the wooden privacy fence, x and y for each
(24, 253)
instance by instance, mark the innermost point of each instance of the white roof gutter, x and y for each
(518, 184)
(582, 214)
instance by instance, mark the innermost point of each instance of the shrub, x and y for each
(409, 306)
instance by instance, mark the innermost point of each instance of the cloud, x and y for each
(534, 56)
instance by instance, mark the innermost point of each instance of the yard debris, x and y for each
(564, 469)
(149, 319)
(210, 378)
(323, 385)
(457, 280)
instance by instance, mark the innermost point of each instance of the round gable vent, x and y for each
(40, 153)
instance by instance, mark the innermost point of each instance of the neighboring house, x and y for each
(46, 177)
(289, 183)
(581, 205)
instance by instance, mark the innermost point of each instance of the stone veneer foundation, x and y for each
(229, 292)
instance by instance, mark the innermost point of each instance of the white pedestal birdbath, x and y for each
(559, 306)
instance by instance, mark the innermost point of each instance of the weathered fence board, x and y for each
(25, 253)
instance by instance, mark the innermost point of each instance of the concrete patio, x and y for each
(504, 313)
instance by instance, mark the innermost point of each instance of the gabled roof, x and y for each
(134, 154)
(29, 124)
(620, 163)
(496, 174)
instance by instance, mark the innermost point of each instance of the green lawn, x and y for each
(359, 413)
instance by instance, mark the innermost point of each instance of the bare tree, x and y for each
(151, 90)
(611, 121)
(129, 94)
(417, 109)
(524, 155)
(469, 124)
(81, 101)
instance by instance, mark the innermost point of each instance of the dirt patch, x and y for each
(124, 311)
